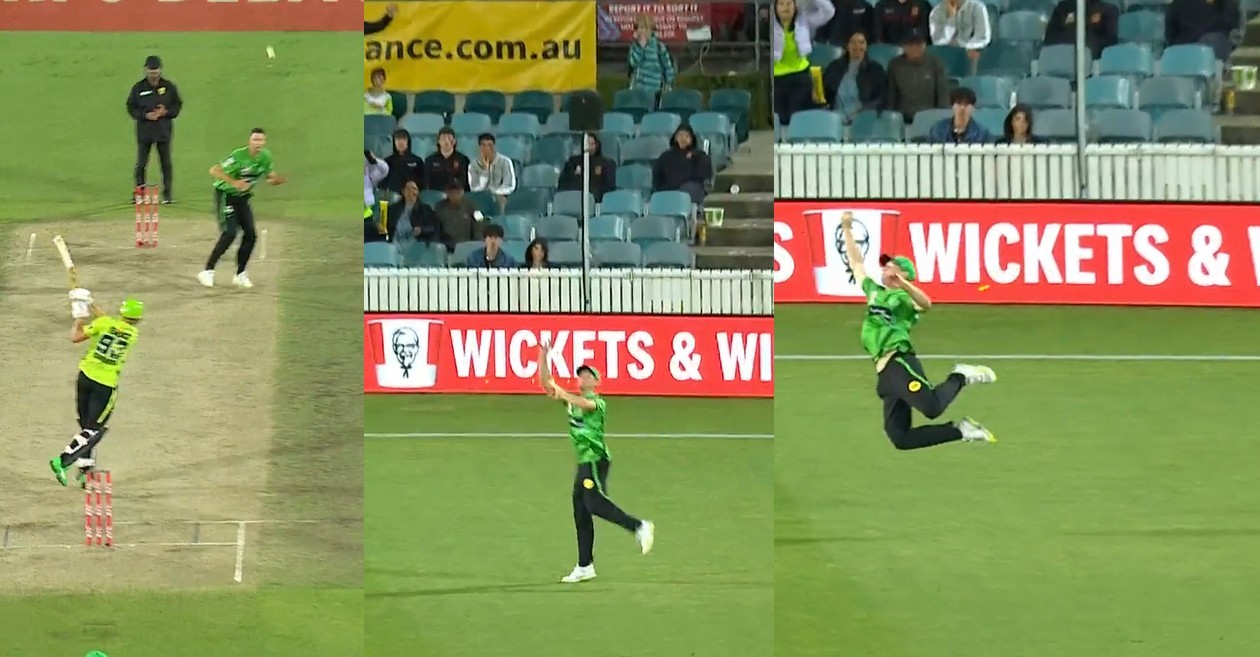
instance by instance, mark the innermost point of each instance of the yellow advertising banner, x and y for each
(509, 46)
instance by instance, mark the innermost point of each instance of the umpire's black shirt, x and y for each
(145, 98)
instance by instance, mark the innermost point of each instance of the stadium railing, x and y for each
(609, 291)
(1164, 172)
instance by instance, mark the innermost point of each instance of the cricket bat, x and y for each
(71, 274)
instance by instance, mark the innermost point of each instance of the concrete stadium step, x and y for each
(1239, 130)
(749, 183)
(750, 233)
(742, 205)
(1252, 35)
(734, 257)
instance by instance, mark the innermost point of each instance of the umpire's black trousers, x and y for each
(590, 499)
(144, 148)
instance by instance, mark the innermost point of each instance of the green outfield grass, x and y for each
(1115, 516)
(467, 536)
(303, 593)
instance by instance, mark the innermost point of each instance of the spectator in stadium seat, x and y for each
(537, 255)
(854, 82)
(457, 215)
(1018, 127)
(411, 220)
(492, 255)
(916, 79)
(894, 20)
(852, 16)
(376, 100)
(1102, 28)
(962, 23)
(603, 171)
(684, 167)
(404, 166)
(445, 164)
(374, 171)
(791, 43)
(1209, 22)
(960, 128)
(492, 172)
(651, 66)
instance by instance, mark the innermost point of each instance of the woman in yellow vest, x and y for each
(793, 39)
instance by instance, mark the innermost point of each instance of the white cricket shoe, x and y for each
(976, 373)
(206, 278)
(645, 535)
(974, 432)
(579, 574)
(242, 280)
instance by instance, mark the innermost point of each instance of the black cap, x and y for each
(152, 61)
(913, 36)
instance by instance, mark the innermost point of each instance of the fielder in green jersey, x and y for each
(110, 340)
(892, 310)
(587, 412)
(234, 180)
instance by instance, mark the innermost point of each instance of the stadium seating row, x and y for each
(539, 201)
(563, 254)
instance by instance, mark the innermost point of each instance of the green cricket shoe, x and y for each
(60, 472)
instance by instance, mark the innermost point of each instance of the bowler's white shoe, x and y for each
(976, 373)
(645, 535)
(206, 278)
(579, 574)
(242, 280)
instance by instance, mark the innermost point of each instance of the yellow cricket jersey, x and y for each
(110, 340)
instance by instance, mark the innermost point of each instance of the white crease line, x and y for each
(240, 552)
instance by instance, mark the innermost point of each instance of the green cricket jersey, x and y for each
(111, 339)
(241, 165)
(586, 430)
(890, 314)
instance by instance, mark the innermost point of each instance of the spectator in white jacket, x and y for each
(492, 172)
(962, 23)
(374, 171)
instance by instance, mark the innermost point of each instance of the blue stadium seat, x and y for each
(660, 124)
(661, 255)
(671, 204)
(610, 146)
(634, 102)
(381, 145)
(381, 254)
(1108, 92)
(735, 103)
(539, 103)
(882, 53)
(570, 203)
(954, 58)
(519, 124)
(491, 103)
(424, 254)
(620, 123)
(991, 91)
(485, 202)
(1056, 125)
(1037, 6)
(1122, 126)
(566, 254)
(423, 145)
(459, 257)
(1005, 59)
(1130, 60)
(815, 126)
(431, 197)
(1022, 26)
(643, 150)
(375, 125)
(441, 103)
(993, 119)
(683, 102)
(540, 176)
(871, 127)
(1194, 61)
(401, 100)
(715, 123)
(634, 177)
(553, 150)
(617, 254)
(557, 228)
(471, 123)
(917, 131)
(824, 54)
(422, 124)
(1146, 5)
(528, 201)
(515, 226)
(623, 202)
(513, 148)
(516, 249)
(1044, 93)
(645, 230)
(1057, 61)
(606, 227)
(558, 122)
(1186, 126)
(1159, 94)
(1142, 27)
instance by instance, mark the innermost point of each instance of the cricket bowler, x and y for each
(892, 310)
(234, 180)
(587, 412)
(110, 340)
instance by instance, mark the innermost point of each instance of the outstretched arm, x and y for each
(572, 399)
(851, 248)
(922, 302)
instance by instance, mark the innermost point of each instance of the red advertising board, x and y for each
(181, 15)
(1040, 253)
(684, 356)
(672, 19)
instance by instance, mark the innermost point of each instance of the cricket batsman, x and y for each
(892, 310)
(234, 180)
(590, 488)
(110, 340)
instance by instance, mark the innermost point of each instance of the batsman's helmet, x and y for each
(131, 309)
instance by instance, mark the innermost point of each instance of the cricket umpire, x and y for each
(154, 103)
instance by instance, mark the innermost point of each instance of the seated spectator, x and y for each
(404, 166)
(412, 221)
(492, 172)
(792, 42)
(458, 216)
(916, 79)
(445, 164)
(651, 67)
(376, 100)
(960, 128)
(854, 82)
(1101, 30)
(852, 17)
(1018, 127)
(374, 171)
(1209, 22)
(684, 167)
(536, 255)
(895, 20)
(603, 171)
(962, 23)
(492, 255)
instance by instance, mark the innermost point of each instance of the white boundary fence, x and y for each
(611, 291)
(1160, 172)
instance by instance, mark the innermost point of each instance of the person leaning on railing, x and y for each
(791, 43)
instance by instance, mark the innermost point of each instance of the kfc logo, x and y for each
(833, 273)
(405, 352)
